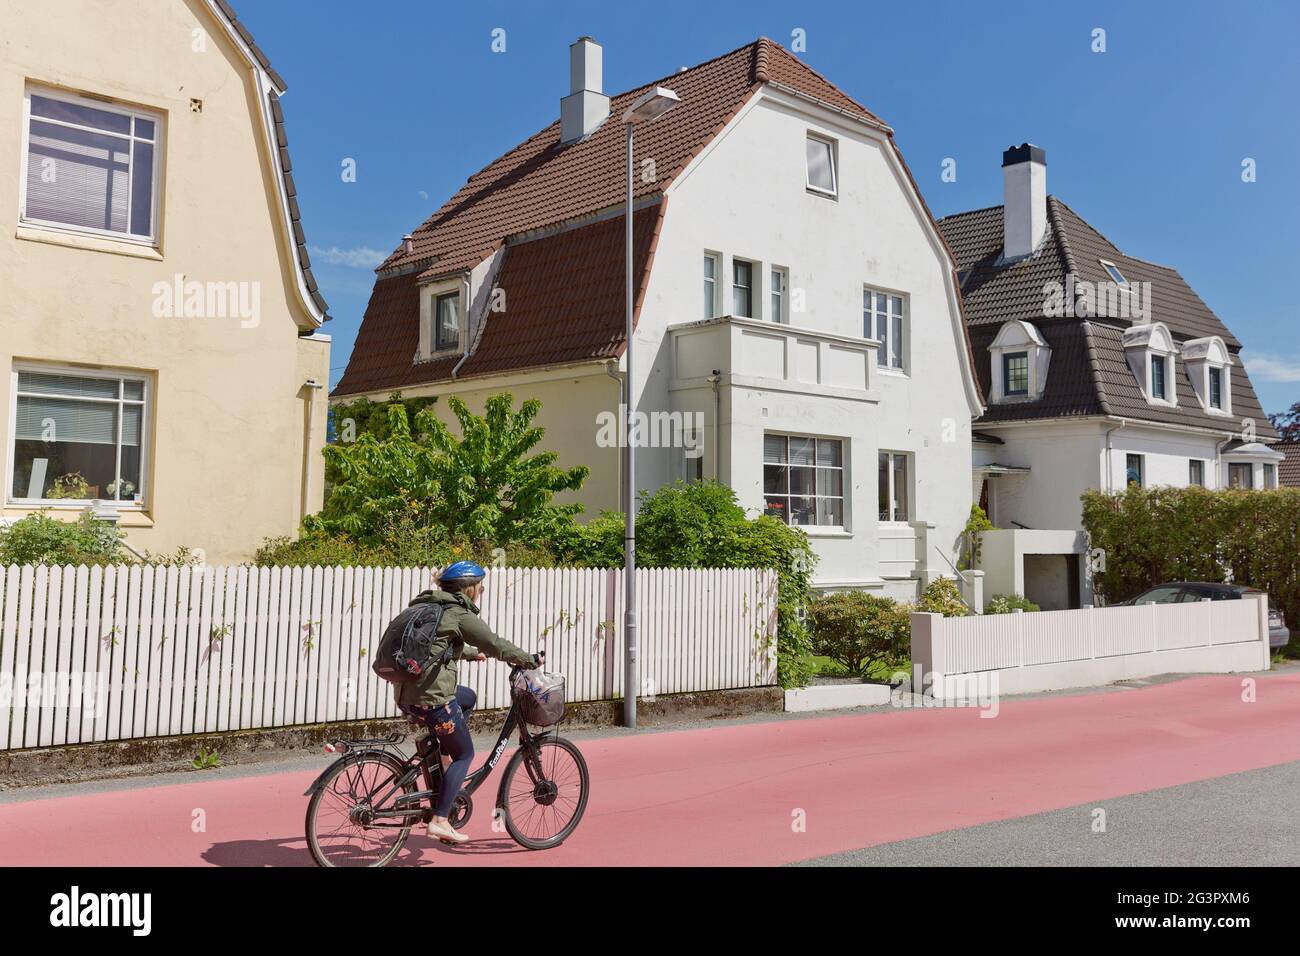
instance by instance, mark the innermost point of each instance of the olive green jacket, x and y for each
(460, 625)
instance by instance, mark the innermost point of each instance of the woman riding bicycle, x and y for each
(438, 700)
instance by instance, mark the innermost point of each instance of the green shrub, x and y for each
(40, 539)
(941, 596)
(1147, 536)
(975, 524)
(1006, 603)
(701, 525)
(868, 636)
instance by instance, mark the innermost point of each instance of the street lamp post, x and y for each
(647, 107)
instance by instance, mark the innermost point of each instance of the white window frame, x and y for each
(1192, 465)
(1270, 476)
(153, 116)
(146, 422)
(436, 330)
(909, 460)
(1210, 375)
(1116, 276)
(779, 295)
(834, 191)
(883, 362)
(842, 468)
(1161, 360)
(716, 259)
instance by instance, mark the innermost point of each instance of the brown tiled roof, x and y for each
(1288, 470)
(576, 274)
(542, 182)
(284, 163)
(1087, 374)
(541, 187)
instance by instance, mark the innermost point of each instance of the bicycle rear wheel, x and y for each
(544, 793)
(340, 813)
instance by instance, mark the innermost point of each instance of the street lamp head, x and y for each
(651, 104)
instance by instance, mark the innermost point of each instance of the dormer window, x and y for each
(1209, 366)
(1116, 276)
(1150, 350)
(1015, 373)
(1159, 365)
(1018, 359)
(442, 319)
(447, 321)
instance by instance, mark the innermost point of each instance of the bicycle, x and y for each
(372, 789)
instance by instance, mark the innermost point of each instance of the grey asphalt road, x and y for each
(1243, 819)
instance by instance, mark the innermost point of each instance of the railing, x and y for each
(115, 653)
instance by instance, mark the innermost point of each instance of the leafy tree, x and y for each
(483, 486)
(1287, 423)
(350, 420)
(488, 485)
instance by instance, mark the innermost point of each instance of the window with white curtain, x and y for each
(78, 437)
(91, 166)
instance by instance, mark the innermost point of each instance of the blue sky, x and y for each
(1145, 140)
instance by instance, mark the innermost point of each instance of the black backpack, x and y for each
(406, 651)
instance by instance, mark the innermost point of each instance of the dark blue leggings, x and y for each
(450, 724)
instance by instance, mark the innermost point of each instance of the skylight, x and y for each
(1116, 276)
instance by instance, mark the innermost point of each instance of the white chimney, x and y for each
(586, 106)
(1024, 184)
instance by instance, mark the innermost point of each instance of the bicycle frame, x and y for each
(424, 762)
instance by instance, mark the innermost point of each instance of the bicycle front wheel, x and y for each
(544, 793)
(341, 817)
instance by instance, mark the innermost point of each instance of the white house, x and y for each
(798, 328)
(1100, 369)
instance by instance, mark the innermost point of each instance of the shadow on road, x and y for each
(292, 851)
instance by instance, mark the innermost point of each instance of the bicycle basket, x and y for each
(540, 697)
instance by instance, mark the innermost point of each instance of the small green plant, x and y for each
(206, 760)
(942, 597)
(71, 485)
(977, 522)
(1006, 603)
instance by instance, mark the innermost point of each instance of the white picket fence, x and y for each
(1052, 649)
(116, 653)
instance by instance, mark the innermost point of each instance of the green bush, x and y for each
(941, 596)
(40, 539)
(1006, 603)
(1147, 536)
(701, 525)
(868, 636)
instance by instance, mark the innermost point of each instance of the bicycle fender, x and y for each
(352, 756)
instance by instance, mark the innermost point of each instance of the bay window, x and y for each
(803, 480)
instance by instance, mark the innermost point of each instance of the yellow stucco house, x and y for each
(159, 321)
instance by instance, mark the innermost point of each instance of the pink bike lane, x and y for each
(742, 794)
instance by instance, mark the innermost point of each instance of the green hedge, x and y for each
(1148, 536)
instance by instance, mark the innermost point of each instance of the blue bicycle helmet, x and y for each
(462, 574)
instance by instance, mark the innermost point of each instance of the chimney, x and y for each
(1024, 184)
(586, 106)
(408, 244)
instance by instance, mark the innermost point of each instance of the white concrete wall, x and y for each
(1067, 458)
(1053, 650)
